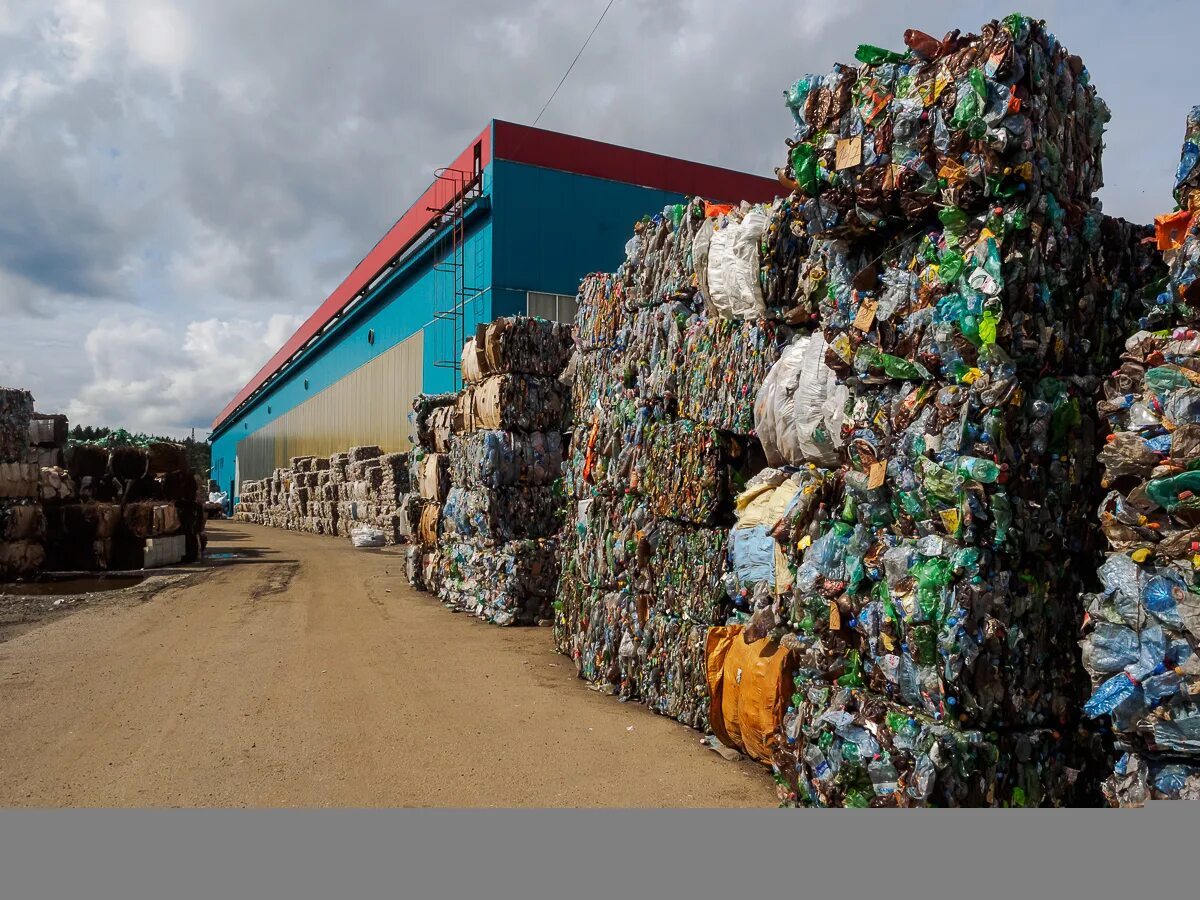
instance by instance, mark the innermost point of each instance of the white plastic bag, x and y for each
(365, 537)
(799, 408)
(733, 266)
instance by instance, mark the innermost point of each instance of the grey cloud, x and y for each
(236, 165)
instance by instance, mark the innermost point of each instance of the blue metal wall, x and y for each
(535, 230)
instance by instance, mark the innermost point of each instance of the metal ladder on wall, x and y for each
(460, 188)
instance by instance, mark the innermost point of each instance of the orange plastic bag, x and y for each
(1170, 230)
(713, 210)
(749, 686)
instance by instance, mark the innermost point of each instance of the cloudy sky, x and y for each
(181, 183)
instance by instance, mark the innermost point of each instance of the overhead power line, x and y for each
(575, 60)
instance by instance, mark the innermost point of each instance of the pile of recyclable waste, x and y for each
(672, 350)
(1142, 635)
(956, 123)
(123, 502)
(969, 294)
(501, 513)
(22, 521)
(431, 423)
(359, 490)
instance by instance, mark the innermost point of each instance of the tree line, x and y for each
(198, 452)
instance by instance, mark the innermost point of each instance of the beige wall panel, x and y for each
(368, 406)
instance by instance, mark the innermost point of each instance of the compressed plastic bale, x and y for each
(523, 344)
(669, 664)
(519, 402)
(21, 521)
(680, 569)
(470, 365)
(960, 122)
(16, 411)
(948, 581)
(1008, 286)
(684, 471)
(723, 366)
(495, 459)
(600, 306)
(18, 558)
(1138, 777)
(128, 462)
(18, 480)
(423, 407)
(502, 514)
(658, 259)
(842, 747)
(431, 475)
(652, 341)
(166, 457)
(430, 527)
(509, 584)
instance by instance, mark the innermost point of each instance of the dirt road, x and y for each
(306, 673)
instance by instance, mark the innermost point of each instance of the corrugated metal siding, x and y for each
(369, 406)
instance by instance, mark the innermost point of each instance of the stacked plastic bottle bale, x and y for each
(1142, 636)
(420, 507)
(672, 350)
(22, 523)
(503, 513)
(969, 291)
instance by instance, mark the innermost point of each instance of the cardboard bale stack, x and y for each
(117, 504)
(361, 487)
(420, 508)
(22, 523)
(502, 514)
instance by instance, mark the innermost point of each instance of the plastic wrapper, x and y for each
(523, 344)
(734, 290)
(365, 537)
(799, 407)
(723, 366)
(510, 584)
(962, 122)
(842, 747)
(413, 567)
(494, 459)
(521, 403)
(502, 514)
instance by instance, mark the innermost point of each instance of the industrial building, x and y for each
(509, 227)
